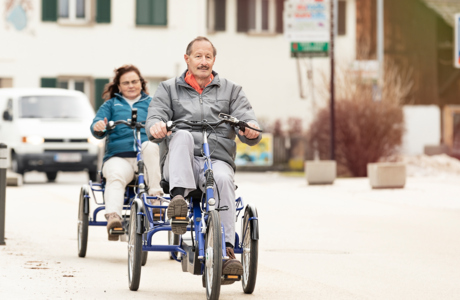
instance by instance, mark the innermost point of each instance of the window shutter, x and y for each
(99, 85)
(143, 12)
(103, 11)
(48, 82)
(220, 14)
(342, 18)
(159, 12)
(279, 16)
(49, 10)
(242, 18)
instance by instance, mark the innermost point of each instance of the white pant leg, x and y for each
(151, 156)
(118, 172)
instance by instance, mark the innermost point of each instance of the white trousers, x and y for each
(119, 171)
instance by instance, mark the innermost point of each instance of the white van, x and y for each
(47, 130)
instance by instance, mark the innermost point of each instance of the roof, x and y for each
(445, 8)
(14, 92)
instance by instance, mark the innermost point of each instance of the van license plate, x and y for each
(67, 157)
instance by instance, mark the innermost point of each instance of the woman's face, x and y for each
(130, 85)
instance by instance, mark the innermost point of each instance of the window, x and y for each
(151, 12)
(6, 82)
(216, 15)
(74, 11)
(260, 16)
(81, 85)
(53, 107)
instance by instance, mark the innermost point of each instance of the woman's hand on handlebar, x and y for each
(249, 133)
(159, 131)
(100, 125)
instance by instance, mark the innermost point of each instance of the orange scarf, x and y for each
(190, 79)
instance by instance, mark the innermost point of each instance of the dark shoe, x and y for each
(113, 224)
(158, 213)
(178, 215)
(232, 269)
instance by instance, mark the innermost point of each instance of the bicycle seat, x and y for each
(197, 194)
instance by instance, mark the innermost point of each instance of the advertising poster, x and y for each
(258, 155)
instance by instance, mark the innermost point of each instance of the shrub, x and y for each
(365, 132)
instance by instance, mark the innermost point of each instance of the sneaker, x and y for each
(113, 222)
(231, 266)
(158, 213)
(177, 214)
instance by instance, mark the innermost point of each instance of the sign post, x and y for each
(457, 41)
(3, 156)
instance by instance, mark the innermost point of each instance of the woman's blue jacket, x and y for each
(121, 138)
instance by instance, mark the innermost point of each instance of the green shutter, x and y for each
(99, 85)
(151, 12)
(49, 10)
(48, 82)
(159, 12)
(143, 8)
(103, 8)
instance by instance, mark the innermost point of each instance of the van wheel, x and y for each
(51, 176)
(15, 165)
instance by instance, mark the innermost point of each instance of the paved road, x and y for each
(344, 241)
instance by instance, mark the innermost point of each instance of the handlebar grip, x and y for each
(110, 125)
(170, 125)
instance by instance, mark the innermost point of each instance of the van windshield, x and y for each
(54, 107)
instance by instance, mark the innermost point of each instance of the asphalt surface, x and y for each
(344, 241)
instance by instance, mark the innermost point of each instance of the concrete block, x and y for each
(13, 179)
(435, 149)
(320, 171)
(386, 175)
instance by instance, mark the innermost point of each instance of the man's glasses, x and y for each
(133, 82)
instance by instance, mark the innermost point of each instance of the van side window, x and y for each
(8, 113)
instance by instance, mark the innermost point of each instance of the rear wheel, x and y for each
(51, 176)
(134, 250)
(173, 239)
(213, 256)
(249, 257)
(82, 223)
(16, 165)
(145, 255)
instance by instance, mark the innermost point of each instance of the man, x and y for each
(198, 94)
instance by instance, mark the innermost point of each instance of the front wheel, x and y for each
(83, 222)
(145, 255)
(250, 254)
(51, 176)
(134, 250)
(213, 256)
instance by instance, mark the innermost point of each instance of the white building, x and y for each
(77, 44)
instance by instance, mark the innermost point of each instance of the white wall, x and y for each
(423, 127)
(261, 64)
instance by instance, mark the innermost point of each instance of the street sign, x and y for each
(305, 49)
(457, 41)
(307, 20)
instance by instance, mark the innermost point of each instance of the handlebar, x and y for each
(130, 122)
(242, 125)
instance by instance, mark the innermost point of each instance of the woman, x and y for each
(126, 91)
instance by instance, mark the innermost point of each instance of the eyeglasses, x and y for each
(133, 82)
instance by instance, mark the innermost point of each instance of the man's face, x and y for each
(200, 60)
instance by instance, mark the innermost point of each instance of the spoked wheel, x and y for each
(134, 250)
(213, 256)
(250, 255)
(173, 239)
(82, 223)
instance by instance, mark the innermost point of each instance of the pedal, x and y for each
(117, 230)
(180, 220)
(231, 277)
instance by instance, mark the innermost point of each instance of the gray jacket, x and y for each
(177, 100)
